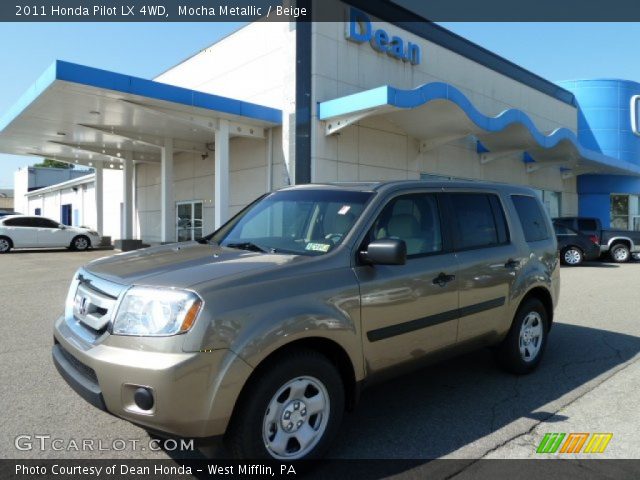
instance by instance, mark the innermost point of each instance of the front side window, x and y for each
(44, 223)
(531, 217)
(479, 220)
(414, 218)
(303, 222)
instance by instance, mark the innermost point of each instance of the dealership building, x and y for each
(367, 99)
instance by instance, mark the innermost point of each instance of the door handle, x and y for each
(511, 263)
(443, 279)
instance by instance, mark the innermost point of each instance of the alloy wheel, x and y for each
(81, 243)
(620, 254)
(572, 256)
(531, 333)
(296, 418)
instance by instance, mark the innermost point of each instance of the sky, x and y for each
(139, 49)
(555, 51)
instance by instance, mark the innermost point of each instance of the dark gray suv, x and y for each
(267, 329)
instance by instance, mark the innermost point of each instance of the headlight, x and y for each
(93, 233)
(150, 311)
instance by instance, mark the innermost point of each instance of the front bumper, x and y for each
(194, 393)
(79, 377)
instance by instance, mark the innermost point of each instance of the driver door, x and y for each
(409, 311)
(50, 234)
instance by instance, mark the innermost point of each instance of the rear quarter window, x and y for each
(532, 218)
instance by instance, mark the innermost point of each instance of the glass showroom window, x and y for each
(635, 114)
(552, 202)
(625, 212)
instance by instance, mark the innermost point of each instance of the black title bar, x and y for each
(315, 10)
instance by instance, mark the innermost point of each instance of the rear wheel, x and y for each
(291, 411)
(620, 253)
(521, 351)
(572, 256)
(5, 245)
(80, 243)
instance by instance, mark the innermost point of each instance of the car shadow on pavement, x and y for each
(442, 408)
(447, 406)
(597, 264)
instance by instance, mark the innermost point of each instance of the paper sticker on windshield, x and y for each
(318, 247)
(344, 210)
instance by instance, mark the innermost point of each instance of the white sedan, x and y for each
(22, 231)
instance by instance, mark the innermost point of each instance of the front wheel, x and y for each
(291, 410)
(521, 351)
(80, 243)
(572, 256)
(620, 253)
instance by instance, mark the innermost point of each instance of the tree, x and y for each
(47, 162)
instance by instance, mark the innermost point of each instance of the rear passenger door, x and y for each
(409, 311)
(487, 262)
(22, 231)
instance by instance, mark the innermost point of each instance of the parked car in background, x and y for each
(575, 247)
(618, 244)
(267, 329)
(22, 231)
(4, 213)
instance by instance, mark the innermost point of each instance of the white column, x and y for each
(167, 206)
(127, 199)
(222, 173)
(98, 190)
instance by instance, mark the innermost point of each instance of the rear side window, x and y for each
(531, 218)
(479, 220)
(18, 222)
(587, 224)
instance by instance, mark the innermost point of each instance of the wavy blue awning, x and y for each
(438, 113)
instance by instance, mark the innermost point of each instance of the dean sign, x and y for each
(360, 30)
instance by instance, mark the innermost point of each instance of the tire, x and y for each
(572, 256)
(80, 243)
(620, 253)
(511, 354)
(281, 397)
(5, 245)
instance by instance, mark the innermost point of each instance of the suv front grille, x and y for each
(93, 309)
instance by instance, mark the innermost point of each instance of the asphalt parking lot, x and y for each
(465, 408)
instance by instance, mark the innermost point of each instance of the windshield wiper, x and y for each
(250, 246)
(206, 241)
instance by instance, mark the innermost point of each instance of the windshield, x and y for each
(303, 222)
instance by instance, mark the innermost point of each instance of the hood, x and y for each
(80, 229)
(184, 265)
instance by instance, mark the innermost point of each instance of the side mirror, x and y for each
(62, 227)
(387, 251)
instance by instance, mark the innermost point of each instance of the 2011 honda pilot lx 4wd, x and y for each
(267, 329)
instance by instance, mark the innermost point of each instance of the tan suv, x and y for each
(266, 330)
